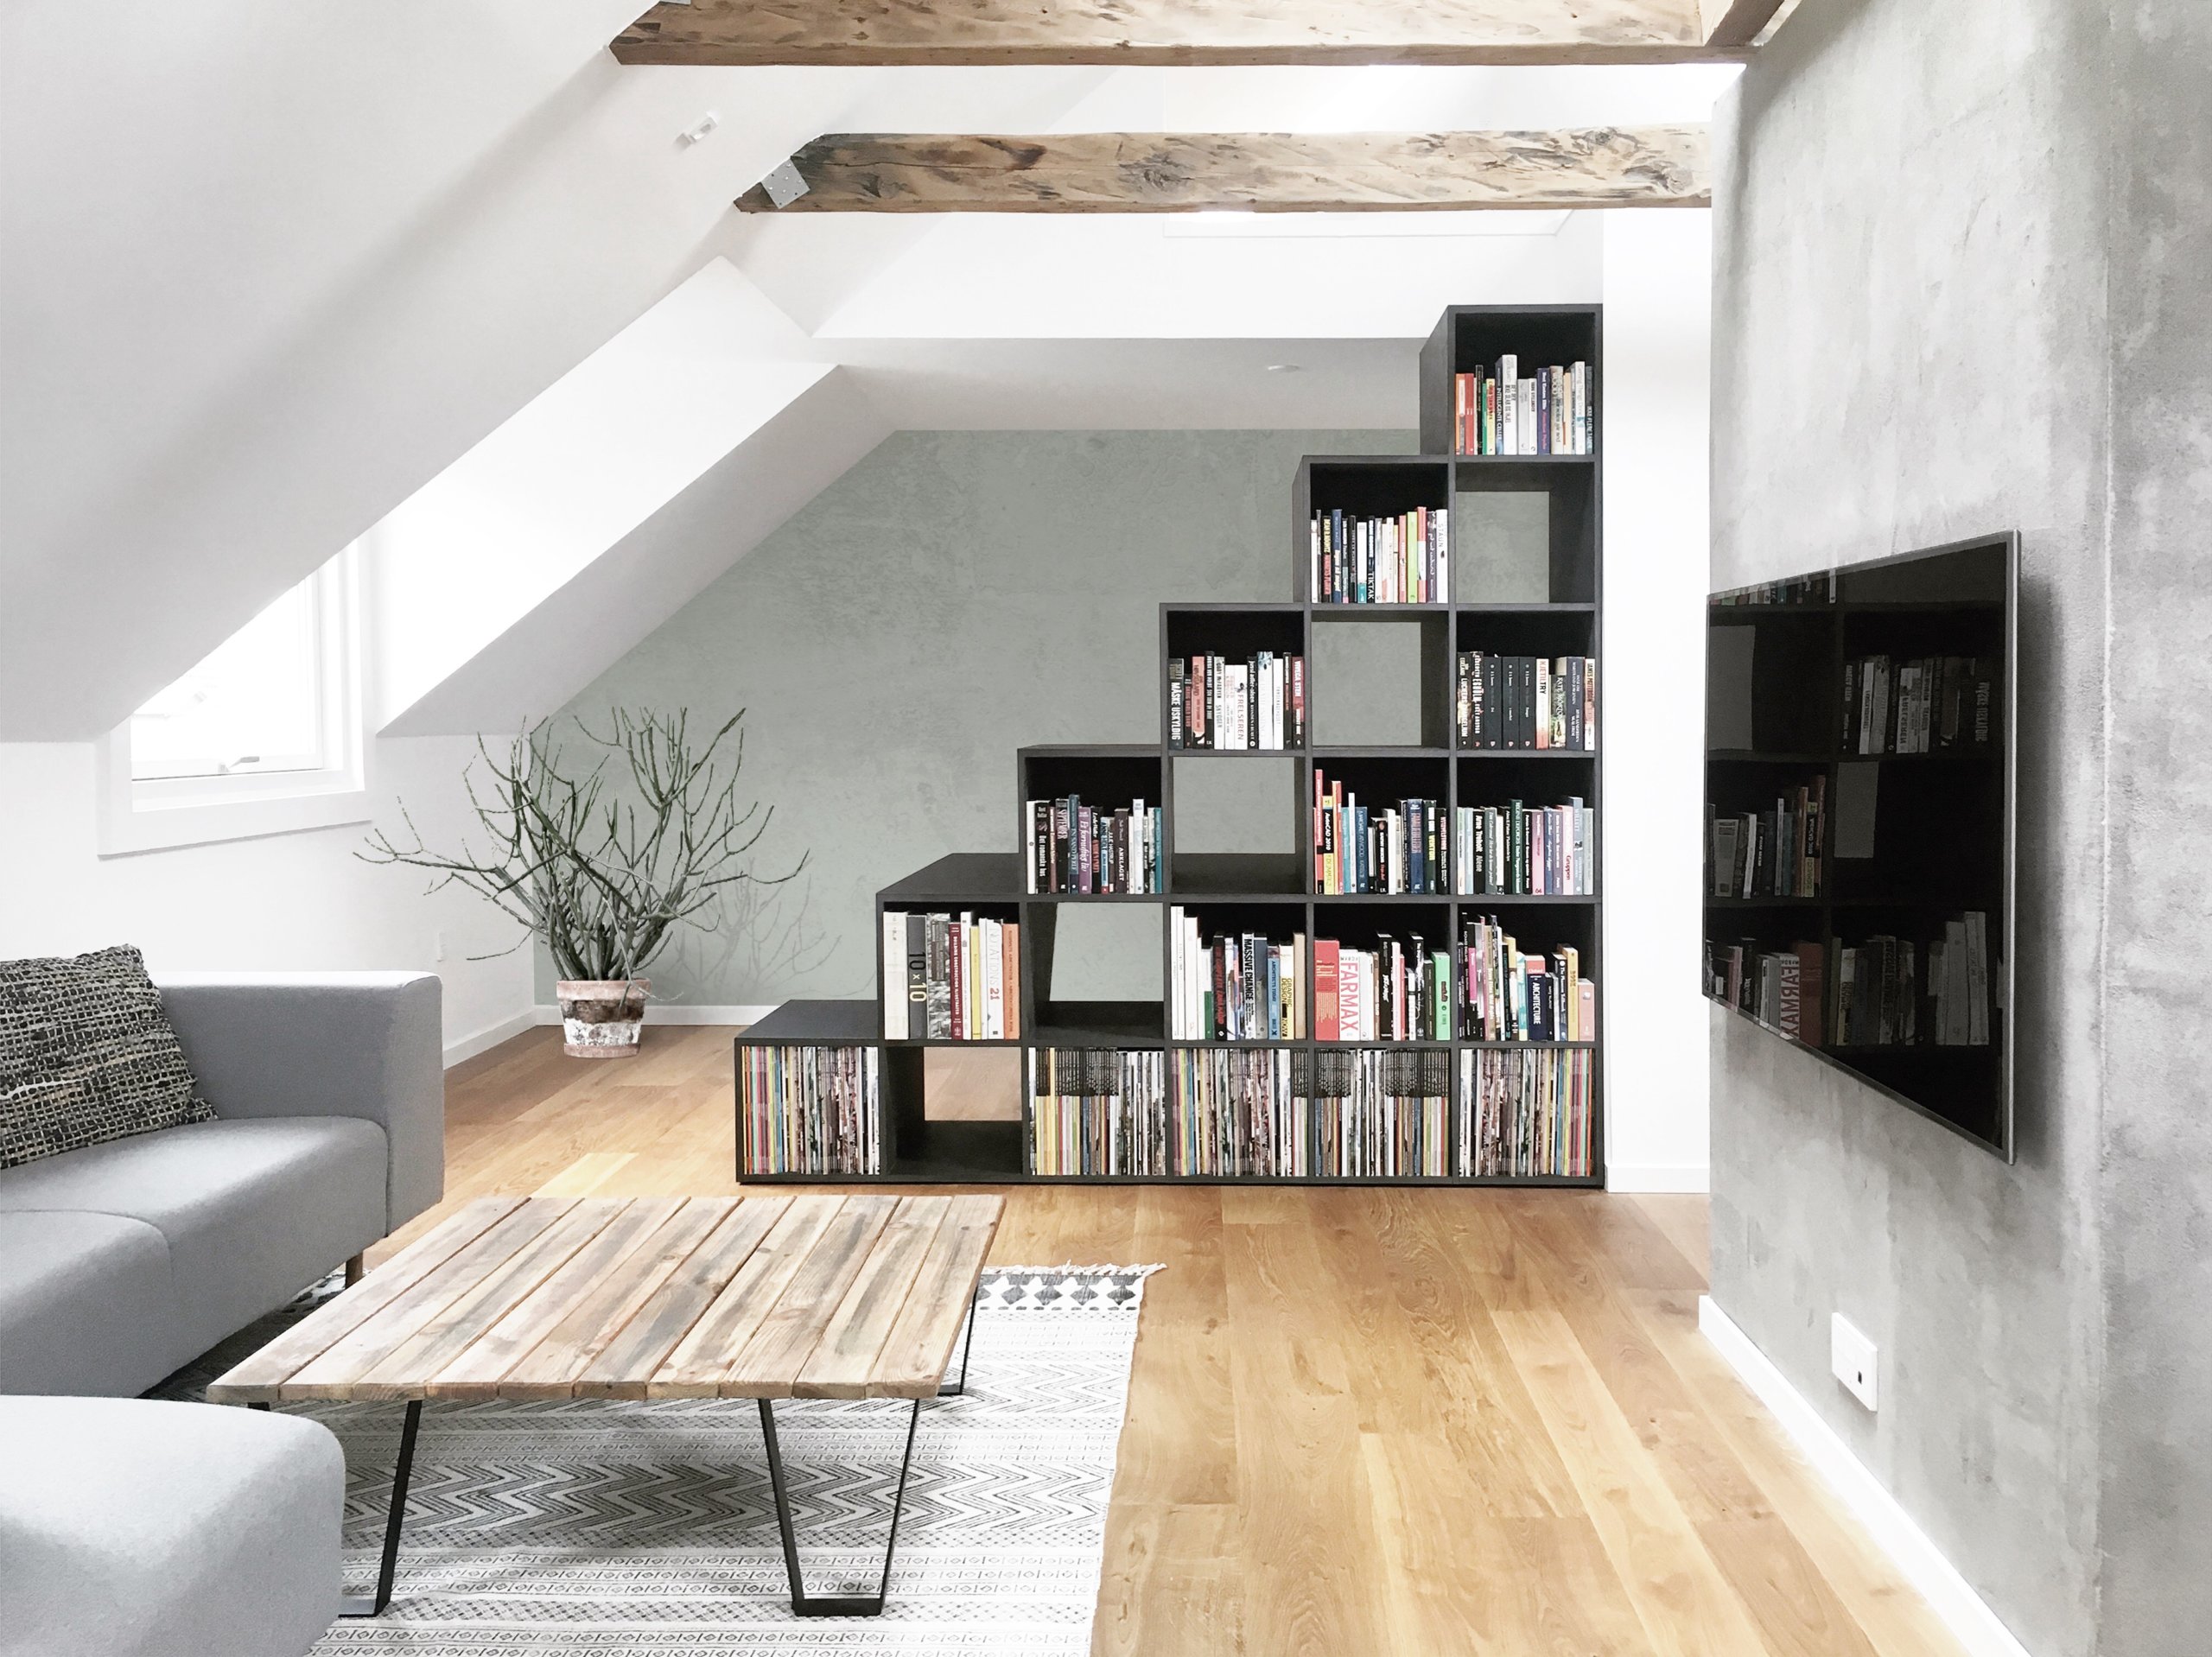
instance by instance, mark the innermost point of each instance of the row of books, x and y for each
(1099, 1111)
(1881, 994)
(1498, 411)
(1393, 992)
(1770, 854)
(1539, 851)
(1798, 589)
(1534, 703)
(1784, 989)
(1506, 994)
(1381, 1115)
(1260, 702)
(1923, 705)
(1953, 996)
(1401, 848)
(1239, 987)
(951, 977)
(1095, 850)
(1197, 1112)
(1527, 1113)
(1403, 559)
(1294, 1115)
(809, 1110)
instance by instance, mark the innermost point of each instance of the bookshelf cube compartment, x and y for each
(1376, 782)
(1496, 658)
(1526, 825)
(1533, 927)
(1757, 702)
(1256, 638)
(938, 980)
(1504, 547)
(1238, 827)
(1788, 804)
(1126, 858)
(923, 1146)
(1345, 492)
(1346, 928)
(1219, 972)
(1095, 1112)
(1381, 1113)
(1471, 339)
(809, 1110)
(1525, 532)
(1380, 678)
(1241, 1113)
(1097, 974)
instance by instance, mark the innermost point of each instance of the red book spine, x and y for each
(1325, 989)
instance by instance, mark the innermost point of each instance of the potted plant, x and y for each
(602, 846)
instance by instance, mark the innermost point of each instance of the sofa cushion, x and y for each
(84, 1304)
(86, 1056)
(252, 1212)
(138, 1530)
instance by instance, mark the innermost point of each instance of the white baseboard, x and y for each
(1917, 1559)
(489, 1036)
(672, 1012)
(1693, 1177)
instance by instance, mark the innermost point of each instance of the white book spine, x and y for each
(894, 975)
(1175, 1025)
(1977, 930)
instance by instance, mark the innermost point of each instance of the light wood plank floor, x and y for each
(1361, 1422)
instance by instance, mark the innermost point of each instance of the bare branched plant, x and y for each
(603, 867)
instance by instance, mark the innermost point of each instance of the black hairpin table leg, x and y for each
(804, 1605)
(373, 1605)
(967, 1345)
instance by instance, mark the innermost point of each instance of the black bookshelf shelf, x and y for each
(1274, 894)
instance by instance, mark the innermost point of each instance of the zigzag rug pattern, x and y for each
(544, 1530)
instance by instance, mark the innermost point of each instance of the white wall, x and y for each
(1658, 329)
(298, 901)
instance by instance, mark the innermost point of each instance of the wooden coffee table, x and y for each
(763, 1298)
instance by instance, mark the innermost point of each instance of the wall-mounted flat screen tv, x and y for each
(1858, 822)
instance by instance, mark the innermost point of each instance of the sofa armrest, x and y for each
(365, 1044)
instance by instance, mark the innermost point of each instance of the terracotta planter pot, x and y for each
(603, 1019)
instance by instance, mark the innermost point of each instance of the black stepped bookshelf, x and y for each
(1275, 894)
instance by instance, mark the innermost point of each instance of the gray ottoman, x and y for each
(130, 1528)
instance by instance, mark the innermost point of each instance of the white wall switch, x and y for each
(438, 946)
(1851, 1355)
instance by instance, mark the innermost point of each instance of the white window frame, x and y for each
(154, 814)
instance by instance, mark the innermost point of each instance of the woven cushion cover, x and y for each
(86, 1056)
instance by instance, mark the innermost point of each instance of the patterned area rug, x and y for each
(539, 1530)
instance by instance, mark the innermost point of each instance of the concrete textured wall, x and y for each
(2156, 1199)
(954, 597)
(1911, 344)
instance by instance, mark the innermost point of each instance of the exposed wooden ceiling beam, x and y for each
(1261, 172)
(1734, 24)
(956, 32)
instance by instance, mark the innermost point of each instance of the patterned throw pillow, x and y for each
(86, 1056)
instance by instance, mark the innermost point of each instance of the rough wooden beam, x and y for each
(1261, 172)
(955, 32)
(1734, 24)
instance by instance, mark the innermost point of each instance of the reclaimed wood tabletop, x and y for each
(705, 1296)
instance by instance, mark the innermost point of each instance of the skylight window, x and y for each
(263, 736)
(255, 704)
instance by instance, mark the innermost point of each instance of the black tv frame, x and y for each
(2003, 970)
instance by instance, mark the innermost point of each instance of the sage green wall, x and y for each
(953, 597)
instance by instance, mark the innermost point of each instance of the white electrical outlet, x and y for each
(438, 946)
(1852, 1355)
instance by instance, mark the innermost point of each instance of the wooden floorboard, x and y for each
(1360, 1420)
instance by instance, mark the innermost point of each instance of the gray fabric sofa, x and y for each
(120, 1263)
(137, 1529)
